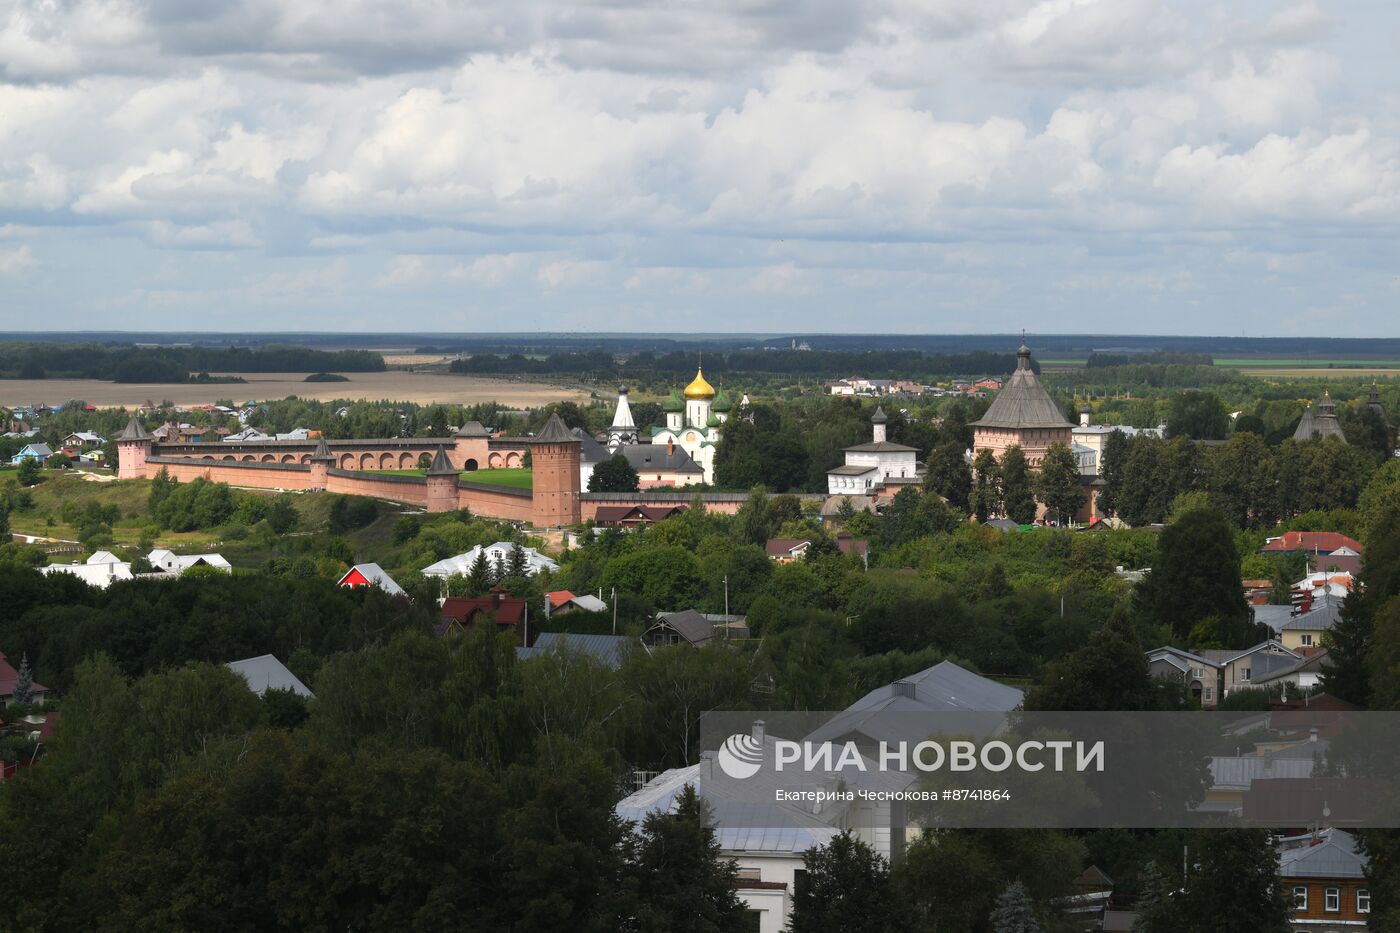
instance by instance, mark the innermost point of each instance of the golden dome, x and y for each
(700, 389)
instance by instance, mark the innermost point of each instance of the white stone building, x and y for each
(869, 466)
(693, 423)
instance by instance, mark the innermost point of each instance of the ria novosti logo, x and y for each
(740, 756)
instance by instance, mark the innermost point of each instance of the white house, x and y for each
(101, 570)
(495, 553)
(170, 562)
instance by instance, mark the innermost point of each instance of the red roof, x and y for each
(851, 545)
(559, 598)
(8, 676)
(1320, 542)
(783, 547)
(613, 514)
(507, 609)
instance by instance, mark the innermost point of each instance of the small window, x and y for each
(1332, 899)
(1208, 693)
(1307, 641)
(1363, 900)
(1300, 897)
(1246, 675)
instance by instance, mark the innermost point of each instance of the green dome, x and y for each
(721, 402)
(674, 403)
(713, 422)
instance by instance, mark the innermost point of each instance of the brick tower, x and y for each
(441, 478)
(555, 454)
(321, 461)
(133, 447)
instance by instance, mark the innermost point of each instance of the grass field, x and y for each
(520, 478)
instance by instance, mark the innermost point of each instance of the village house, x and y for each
(609, 650)
(458, 615)
(371, 575)
(38, 452)
(1326, 550)
(497, 559)
(630, 516)
(1325, 875)
(562, 602)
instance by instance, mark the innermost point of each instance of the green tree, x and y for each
(847, 887)
(614, 474)
(1197, 415)
(1018, 497)
(1233, 884)
(1014, 913)
(684, 885)
(1197, 576)
(1108, 673)
(29, 472)
(282, 515)
(22, 693)
(1059, 483)
(518, 565)
(986, 489)
(1112, 463)
(479, 577)
(949, 474)
(751, 523)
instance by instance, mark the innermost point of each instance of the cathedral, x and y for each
(693, 421)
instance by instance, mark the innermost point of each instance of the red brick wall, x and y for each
(556, 484)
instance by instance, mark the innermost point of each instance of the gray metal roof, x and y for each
(852, 469)
(652, 457)
(379, 577)
(1335, 857)
(1272, 616)
(943, 688)
(609, 649)
(590, 451)
(689, 624)
(265, 673)
(1023, 401)
(473, 429)
(1238, 771)
(882, 447)
(1324, 614)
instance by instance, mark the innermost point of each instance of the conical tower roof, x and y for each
(322, 451)
(879, 417)
(622, 418)
(1023, 401)
(1304, 431)
(1323, 423)
(441, 466)
(133, 431)
(555, 432)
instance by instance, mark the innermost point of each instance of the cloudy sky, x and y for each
(923, 166)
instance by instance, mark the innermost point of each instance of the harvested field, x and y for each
(423, 388)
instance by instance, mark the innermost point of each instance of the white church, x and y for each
(693, 423)
(869, 467)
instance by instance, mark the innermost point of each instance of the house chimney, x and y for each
(495, 597)
(670, 448)
(759, 729)
(904, 688)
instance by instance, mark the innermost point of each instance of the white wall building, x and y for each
(495, 553)
(869, 466)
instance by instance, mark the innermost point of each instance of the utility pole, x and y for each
(614, 602)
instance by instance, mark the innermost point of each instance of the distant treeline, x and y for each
(127, 363)
(895, 364)
(1105, 360)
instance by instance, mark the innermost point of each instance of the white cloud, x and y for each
(590, 154)
(15, 261)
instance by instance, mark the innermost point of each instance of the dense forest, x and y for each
(889, 364)
(129, 363)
